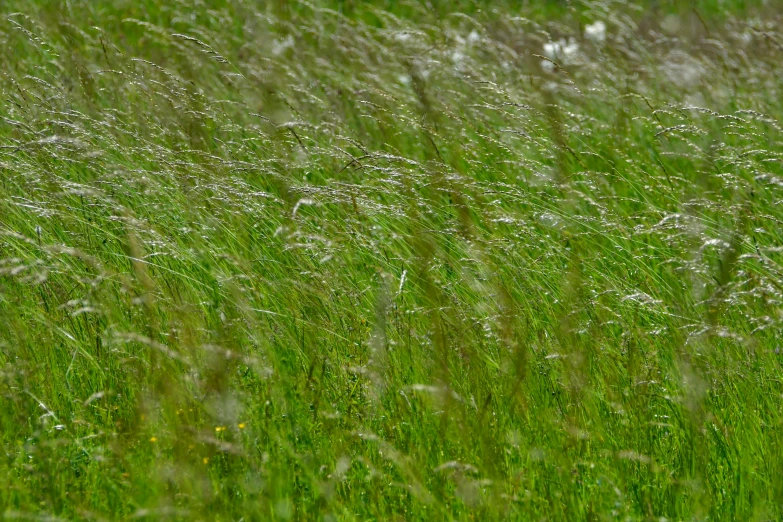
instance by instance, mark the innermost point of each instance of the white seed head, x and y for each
(596, 32)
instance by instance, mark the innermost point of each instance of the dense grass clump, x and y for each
(391, 261)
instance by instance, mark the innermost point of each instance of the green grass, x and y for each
(355, 261)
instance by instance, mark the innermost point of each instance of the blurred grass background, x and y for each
(390, 261)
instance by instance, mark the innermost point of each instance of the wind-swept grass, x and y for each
(355, 261)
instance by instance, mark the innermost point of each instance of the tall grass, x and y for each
(349, 261)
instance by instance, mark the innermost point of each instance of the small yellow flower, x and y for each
(241, 425)
(206, 460)
(153, 439)
(218, 429)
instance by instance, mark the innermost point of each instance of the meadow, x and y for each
(376, 261)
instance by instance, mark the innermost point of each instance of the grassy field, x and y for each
(391, 261)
